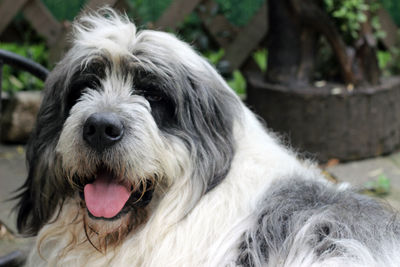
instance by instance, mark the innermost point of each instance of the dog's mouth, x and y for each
(108, 198)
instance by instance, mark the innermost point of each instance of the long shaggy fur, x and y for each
(211, 186)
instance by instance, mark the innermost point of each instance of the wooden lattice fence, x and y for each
(238, 45)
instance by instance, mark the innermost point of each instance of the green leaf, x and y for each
(260, 57)
(361, 17)
(384, 183)
(383, 59)
(238, 83)
(379, 187)
(15, 80)
(215, 57)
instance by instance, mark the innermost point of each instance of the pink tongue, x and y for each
(105, 198)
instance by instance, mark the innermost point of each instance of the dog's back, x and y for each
(305, 222)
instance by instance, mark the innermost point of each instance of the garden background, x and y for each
(237, 37)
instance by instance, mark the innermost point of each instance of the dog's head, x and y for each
(126, 117)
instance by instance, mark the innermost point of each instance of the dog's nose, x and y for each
(102, 130)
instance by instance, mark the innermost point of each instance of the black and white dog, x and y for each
(143, 156)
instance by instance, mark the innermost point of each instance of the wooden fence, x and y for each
(238, 45)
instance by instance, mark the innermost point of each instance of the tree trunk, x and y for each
(366, 60)
(295, 27)
(283, 44)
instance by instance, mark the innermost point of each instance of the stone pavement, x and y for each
(13, 173)
(363, 172)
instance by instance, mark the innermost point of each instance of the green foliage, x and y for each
(348, 15)
(376, 26)
(15, 80)
(260, 57)
(239, 12)
(378, 187)
(191, 30)
(389, 61)
(238, 83)
(395, 60)
(393, 7)
(64, 10)
(145, 10)
(149, 10)
(214, 57)
(383, 58)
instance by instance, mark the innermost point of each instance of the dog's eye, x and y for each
(151, 96)
(77, 88)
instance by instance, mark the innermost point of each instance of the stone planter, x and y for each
(19, 116)
(331, 121)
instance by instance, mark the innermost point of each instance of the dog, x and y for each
(143, 156)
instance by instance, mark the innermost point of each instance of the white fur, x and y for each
(210, 234)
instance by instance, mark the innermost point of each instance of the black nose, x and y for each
(102, 130)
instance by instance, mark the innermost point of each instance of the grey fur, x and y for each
(326, 215)
(43, 191)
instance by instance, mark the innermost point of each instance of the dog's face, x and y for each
(126, 118)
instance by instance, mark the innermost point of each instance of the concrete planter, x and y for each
(331, 121)
(18, 116)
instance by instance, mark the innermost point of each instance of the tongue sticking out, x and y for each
(104, 197)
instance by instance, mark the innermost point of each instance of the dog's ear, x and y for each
(42, 193)
(214, 109)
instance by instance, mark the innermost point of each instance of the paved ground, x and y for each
(12, 175)
(375, 172)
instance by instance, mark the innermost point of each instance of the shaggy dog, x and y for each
(143, 156)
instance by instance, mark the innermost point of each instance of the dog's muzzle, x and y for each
(102, 130)
(108, 194)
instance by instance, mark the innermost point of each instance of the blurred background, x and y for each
(322, 74)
